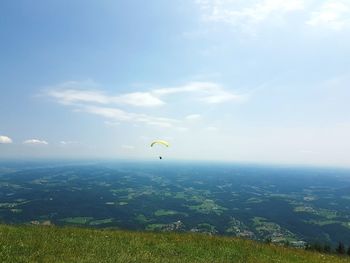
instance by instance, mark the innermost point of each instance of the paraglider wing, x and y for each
(165, 143)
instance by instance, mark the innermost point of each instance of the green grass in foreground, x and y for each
(55, 244)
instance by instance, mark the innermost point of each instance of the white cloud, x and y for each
(68, 142)
(193, 117)
(144, 99)
(207, 87)
(120, 115)
(247, 14)
(95, 102)
(208, 92)
(70, 96)
(66, 94)
(220, 97)
(5, 139)
(35, 142)
(110, 113)
(334, 15)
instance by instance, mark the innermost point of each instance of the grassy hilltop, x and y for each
(56, 244)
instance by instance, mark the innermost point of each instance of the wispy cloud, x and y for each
(5, 140)
(66, 143)
(35, 142)
(207, 92)
(99, 103)
(247, 14)
(193, 117)
(331, 14)
(120, 115)
(72, 96)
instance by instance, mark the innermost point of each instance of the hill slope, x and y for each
(55, 244)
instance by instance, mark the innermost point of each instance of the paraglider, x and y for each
(161, 143)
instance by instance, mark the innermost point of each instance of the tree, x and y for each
(286, 243)
(316, 246)
(268, 240)
(327, 248)
(348, 251)
(340, 248)
(307, 246)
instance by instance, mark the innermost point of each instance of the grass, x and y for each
(155, 227)
(68, 244)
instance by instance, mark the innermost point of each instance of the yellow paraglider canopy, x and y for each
(165, 143)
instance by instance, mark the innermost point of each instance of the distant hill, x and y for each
(68, 244)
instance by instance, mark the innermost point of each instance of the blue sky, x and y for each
(256, 81)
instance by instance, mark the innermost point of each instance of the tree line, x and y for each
(340, 249)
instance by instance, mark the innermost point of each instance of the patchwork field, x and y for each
(279, 204)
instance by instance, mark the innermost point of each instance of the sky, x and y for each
(263, 81)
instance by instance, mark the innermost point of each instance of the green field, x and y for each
(67, 244)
